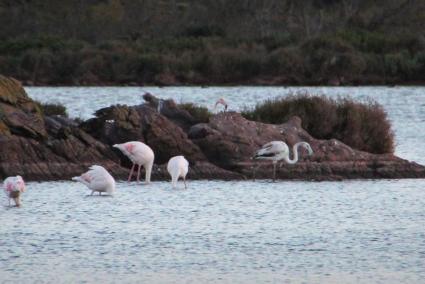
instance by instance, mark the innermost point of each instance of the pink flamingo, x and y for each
(140, 154)
(97, 178)
(221, 101)
(177, 167)
(13, 187)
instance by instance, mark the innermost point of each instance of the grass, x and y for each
(199, 113)
(361, 125)
(52, 109)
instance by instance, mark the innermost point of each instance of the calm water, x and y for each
(225, 232)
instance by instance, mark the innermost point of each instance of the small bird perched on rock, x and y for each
(177, 167)
(14, 187)
(97, 178)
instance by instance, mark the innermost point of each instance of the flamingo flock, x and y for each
(98, 179)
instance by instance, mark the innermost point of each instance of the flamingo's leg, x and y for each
(184, 180)
(131, 172)
(254, 170)
(100, 192)
(274, 171)
(92, 192)
(138, 174)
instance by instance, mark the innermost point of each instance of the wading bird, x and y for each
(14, 187)
(140, 154)
(279, 150)
(97, 178)
(178, 166)
(221, 101)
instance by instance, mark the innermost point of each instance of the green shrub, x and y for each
(363, 126)
(52, 109)
(200, 113)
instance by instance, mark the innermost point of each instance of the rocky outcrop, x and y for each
(229, 141)
(42, 147)
(118, 124)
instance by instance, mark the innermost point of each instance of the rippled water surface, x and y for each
(367, 231)
(223, 232)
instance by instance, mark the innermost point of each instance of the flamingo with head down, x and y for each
(177, 167)
(97, 178)
(140, 154)
(14, 187)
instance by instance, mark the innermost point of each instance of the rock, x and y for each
(44, 148)
(229, 141)
(18, 113)
(170, 110)
(118, 124)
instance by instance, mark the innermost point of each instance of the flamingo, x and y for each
(178, 166)
(97, 178)
(13, 187)
(279, 150)
(139, 153)
(221, 101)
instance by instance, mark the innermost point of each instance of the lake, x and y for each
(358, 231)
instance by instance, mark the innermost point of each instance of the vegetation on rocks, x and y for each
(50, 109)
(361, 125)
(199, 113)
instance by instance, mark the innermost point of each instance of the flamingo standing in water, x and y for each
(279, 150)
(97, 178)
(140, 154)
(221, 101)
(177, 167)
(14, 187)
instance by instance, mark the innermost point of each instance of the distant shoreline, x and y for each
(412, 84)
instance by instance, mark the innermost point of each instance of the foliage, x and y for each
(49, 109)
(199, 113)
(361, 125)
(213, 42)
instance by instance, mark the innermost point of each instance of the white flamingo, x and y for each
(14, 187)
(221, 101)
(178, 166)
(97, 178)
(279, 150)
(139, 153)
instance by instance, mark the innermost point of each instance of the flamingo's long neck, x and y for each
(295, 158)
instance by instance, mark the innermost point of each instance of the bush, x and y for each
(363, 126)
(52, 109)
(201, 114)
